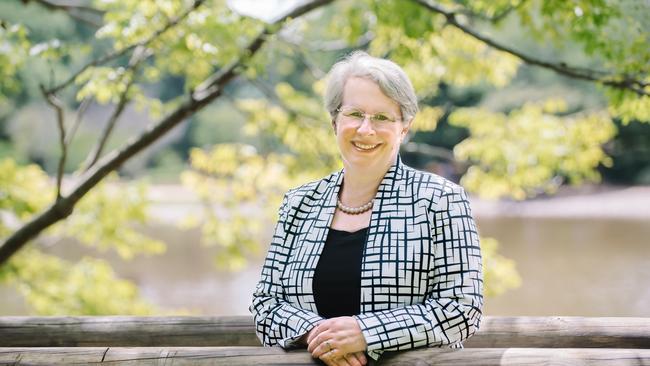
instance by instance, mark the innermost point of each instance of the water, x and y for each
(574, 267)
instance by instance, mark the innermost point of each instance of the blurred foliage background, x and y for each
(518, 98)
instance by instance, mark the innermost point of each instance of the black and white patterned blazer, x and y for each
(421, 271)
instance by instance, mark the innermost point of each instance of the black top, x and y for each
(337, 278)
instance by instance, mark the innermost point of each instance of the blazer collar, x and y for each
(388, 187)
(393, 179)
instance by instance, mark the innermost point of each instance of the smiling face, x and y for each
(368, 146)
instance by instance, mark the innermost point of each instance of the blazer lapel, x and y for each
(380, 232)
(322, 210)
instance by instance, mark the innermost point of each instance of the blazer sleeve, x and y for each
(452, 309)
(277, 322)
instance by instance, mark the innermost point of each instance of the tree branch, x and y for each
(77, 12)
(83, 106)
(118, 53)
(495, 18)
(53, 101)
(139, 55)
(58, 5)
(195, 102)
(620, 82)
(108, 127)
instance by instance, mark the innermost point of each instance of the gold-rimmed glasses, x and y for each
(357, 116)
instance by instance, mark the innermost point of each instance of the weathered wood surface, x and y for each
(562, 332)
(128, 331)
(234, 356)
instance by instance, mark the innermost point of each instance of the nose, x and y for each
(366, 127)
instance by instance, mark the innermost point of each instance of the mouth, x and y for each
(364, 147)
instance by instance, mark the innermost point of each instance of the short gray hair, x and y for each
(392, 81)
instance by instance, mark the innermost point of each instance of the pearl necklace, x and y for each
(353, 210)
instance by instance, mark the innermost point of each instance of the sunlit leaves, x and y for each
(427, 119)
(445, 56)
(629, 106)
(468, 61)
(153, 106)
(130, 21)
(108, 218)
(241, 188)
(406, 16)
(530, 150)
(24, 191)
(53, 286)
(104, 84)
(350, 21)
(300, 124)
(583, 20)
(499, 273)
(240, 191)
(614, 34)
(209, 37)
(14, 48)
(300, 103)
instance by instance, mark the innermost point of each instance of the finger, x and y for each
(329, 362)
(332, 358)
(311, 344)
(315, 342)
(334, 362)
(360, 357)
(320, 335)
(327, 357)
(314, 333)
(342, 361)
(321, 341)
(322, 348)
(325, 325)
(352, 359)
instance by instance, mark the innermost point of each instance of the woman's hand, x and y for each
(338, 341)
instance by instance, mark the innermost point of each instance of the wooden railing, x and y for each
(231, 341)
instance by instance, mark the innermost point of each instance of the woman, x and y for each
(379, 256)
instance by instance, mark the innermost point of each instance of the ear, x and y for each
(406, 128)
(405, 131)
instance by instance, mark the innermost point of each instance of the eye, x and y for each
(381, 118)
(353, 114)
